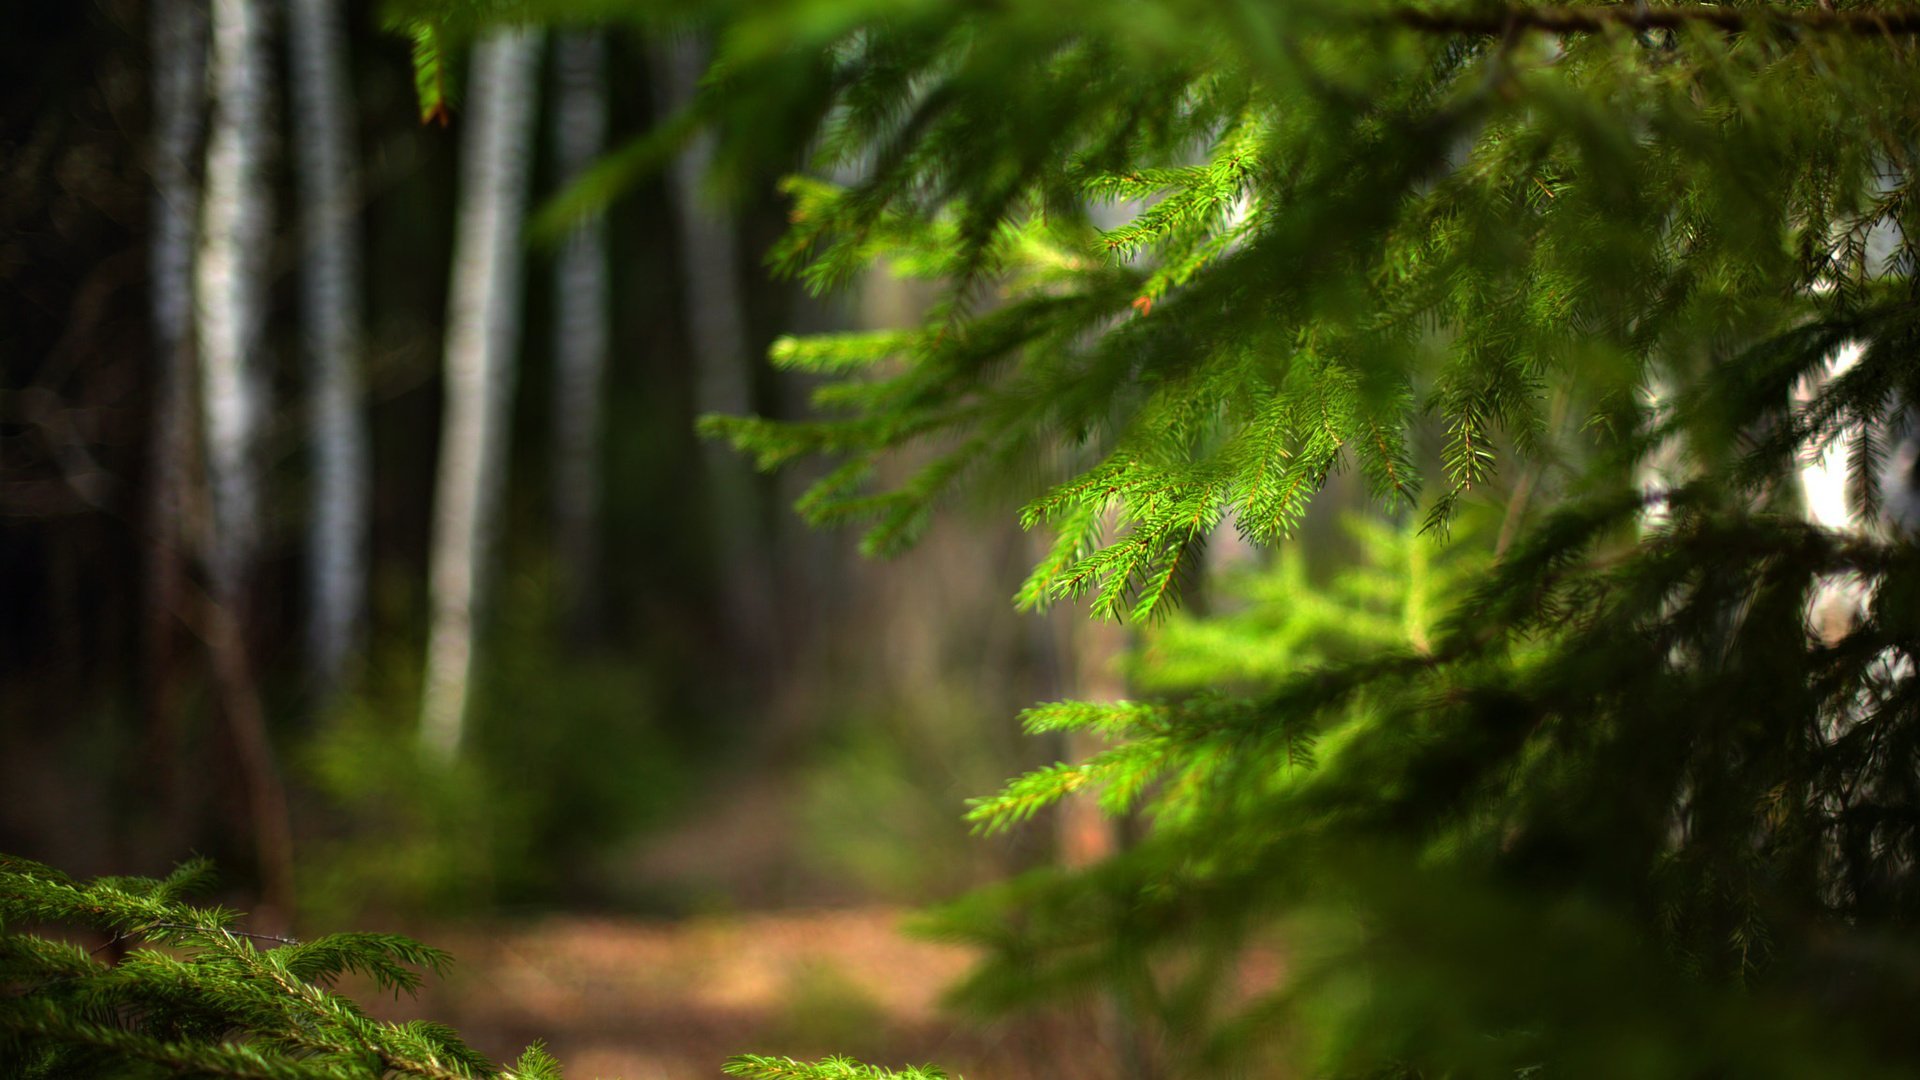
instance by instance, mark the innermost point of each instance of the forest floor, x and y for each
(639, 1000)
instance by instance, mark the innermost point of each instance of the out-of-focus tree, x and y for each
(236, 236)
(327, 180)
(177, 45)
(717, 348)
(581, 295)
(231, 285)
(483, 336)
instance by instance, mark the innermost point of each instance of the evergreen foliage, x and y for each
(191, 996)
(1616, 812)
(1388, 589)
(760, 1067)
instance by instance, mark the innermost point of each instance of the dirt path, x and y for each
(652, 1001)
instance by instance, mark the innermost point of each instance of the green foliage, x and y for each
(1432, 260)
(429, 70)
(1388, 589)
(191, 995)
(872, 815)
(757, 1067)
(521, 817)
(406, 832)
(821, 1006)
(1169, 756)
(1610, 811)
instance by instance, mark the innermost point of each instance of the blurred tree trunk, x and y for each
(483, 329)
(1087, 655)
(1662, 469)
(710, 280)
(1838, 602)
(327, 180)
(1092, 650)
(178, 36)
(580, 339)
(230, 280)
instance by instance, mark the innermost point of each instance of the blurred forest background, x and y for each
(696, 758)
(357, 534)
(674, 653)
(219, 536)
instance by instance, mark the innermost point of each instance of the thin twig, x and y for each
(1866, 22)
(224, 930)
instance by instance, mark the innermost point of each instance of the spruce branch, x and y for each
(211, 1003)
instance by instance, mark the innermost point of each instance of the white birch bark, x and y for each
(1838, 601)
(483, 330)
(1661, 470)
(231, 286)
(581, 331)
(230, 294)
(327, 179)
(715, 317)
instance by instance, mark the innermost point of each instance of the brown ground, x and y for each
(616, 998)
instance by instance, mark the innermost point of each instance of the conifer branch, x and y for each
(210, 1004)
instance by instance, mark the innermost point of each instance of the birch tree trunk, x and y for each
(715, 317)
(1662, 469)
(230, 282)
(327, 179)
(178, 30)
(483, 330)
(580, 334)
(179, 33)
(1838, 602)
(230, 279)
